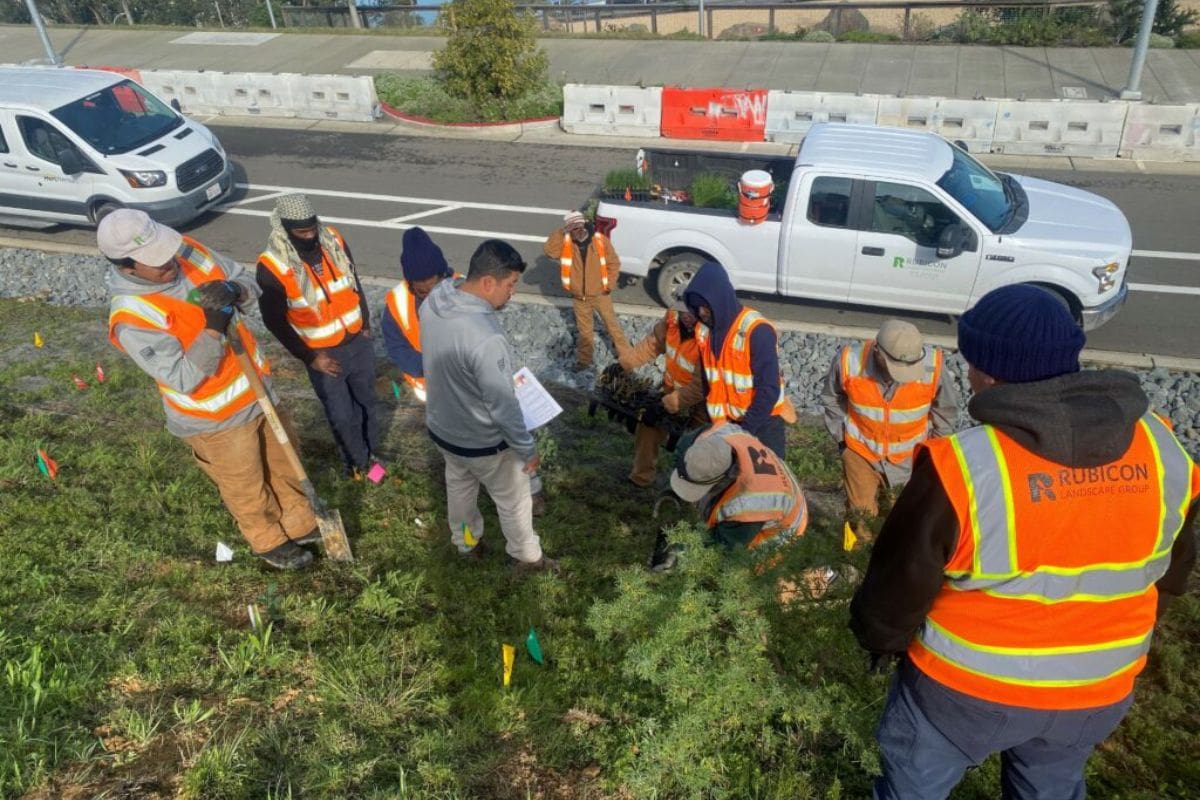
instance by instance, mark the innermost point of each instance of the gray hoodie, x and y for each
(161, 356)
(472, 408)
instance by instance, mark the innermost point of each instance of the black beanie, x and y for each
(420, 258)
(1020, 333)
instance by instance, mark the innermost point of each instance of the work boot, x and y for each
(539, 504)
(312, 537)
(543, 564)
(287, 556)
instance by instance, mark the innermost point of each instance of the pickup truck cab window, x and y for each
(829, 202)
(909, 211)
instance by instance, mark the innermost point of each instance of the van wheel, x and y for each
(675, 275)
(103, 209)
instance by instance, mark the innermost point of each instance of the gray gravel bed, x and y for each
(543, 338)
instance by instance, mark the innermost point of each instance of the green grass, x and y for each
(425, 97)
(129, 667)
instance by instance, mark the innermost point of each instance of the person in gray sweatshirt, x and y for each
(472, 411)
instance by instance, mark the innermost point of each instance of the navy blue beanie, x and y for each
(1019, 334)
(420, 258)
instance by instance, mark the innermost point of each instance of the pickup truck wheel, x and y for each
(1069, 300)
(674, 275)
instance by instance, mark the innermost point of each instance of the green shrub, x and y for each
(1161, 42)
(783, 36)
(868, 37)
(1125, 18)
(426, 97)
(1188, 40)
(491, 55)
(710, 190)
(818, 36)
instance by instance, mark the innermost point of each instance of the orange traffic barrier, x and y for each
(754, 196)
(133, 74)
(723, 114)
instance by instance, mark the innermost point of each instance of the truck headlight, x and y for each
(144, 179)
(1107, 275)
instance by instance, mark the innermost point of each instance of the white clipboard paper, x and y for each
(537, 406)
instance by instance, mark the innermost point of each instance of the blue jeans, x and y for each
(930, 735)
(349, 400)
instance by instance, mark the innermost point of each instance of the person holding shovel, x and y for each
(208, 401)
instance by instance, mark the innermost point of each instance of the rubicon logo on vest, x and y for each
(1089, 481)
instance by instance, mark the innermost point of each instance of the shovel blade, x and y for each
(333, 536)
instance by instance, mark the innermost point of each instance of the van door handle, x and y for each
(872, 251)
(10, 164)
(34, 169)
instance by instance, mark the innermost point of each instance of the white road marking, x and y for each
(400, 226)
(423, 214)
(1164, 288)
(1175, 256)
(248, 200)
(395, 198)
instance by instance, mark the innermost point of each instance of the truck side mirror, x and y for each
(175, 105)
(70, 162)
(952, 241)
(960, 144)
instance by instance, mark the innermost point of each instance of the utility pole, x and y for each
(271, 14)
(1133, 88)
(127, 11)
(41, 29)
(700, 24)
(355, 20)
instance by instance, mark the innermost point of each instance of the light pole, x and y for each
(41, 29)
(1133, 88)
(700, 24)
(271, 14)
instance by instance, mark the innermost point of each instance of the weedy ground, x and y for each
(129, 667)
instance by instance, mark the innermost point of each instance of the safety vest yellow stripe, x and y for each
(320, 331)
(142, 309)
(213, 403)
(400, 297)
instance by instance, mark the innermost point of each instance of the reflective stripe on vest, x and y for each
(223, 393)
(880, 429)
(729, 375)
(682, 354)
(1034, 612)
(402, 304)
(765, 491)
(336, 312)
(566, 261)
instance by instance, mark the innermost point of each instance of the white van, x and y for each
(76, 144)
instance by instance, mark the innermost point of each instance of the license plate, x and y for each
(212, 192)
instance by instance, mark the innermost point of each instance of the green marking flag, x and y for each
(396, 389)
(534, 646)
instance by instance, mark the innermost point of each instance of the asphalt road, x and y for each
(372, 186)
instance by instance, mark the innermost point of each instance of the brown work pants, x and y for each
(862, 483)
(647, 439)
(256, 482)
(585, 309)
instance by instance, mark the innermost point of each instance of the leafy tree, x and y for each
(491, 54)
(1169, 19)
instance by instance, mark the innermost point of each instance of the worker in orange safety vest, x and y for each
(1022, 570)
(588, 271)
(881, 399)
(208, 401)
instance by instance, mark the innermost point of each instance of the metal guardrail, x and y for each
(550, 16)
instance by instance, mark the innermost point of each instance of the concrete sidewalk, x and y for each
(1171, 76)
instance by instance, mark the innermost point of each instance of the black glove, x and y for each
(882, 663)
(217, 319)
(218, 294)
(652, 414)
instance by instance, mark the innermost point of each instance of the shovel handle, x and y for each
(234, 336)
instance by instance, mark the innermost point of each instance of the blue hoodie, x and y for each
(711, 287)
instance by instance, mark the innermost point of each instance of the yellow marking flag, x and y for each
(38, 341)
(468, 537)
(849, 539)
(509, 653)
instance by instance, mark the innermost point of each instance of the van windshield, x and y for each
(981, 191)
(118, 119)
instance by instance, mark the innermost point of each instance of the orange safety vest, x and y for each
(682, 355)
(1049, 600)
(887, 430)
(730, 378)
(765, 491)
(220, 395)
(567, 260)
(402, 305)
(336, 312)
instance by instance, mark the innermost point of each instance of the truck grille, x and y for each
(196, 171)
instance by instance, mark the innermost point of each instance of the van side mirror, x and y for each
(70, 162)
(175, 105)
(953, 240)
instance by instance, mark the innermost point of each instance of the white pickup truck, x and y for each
(880, 217)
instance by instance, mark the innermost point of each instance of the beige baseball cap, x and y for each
(130, 233)
(702, 467)
(903, 350)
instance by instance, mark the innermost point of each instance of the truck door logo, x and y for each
(898, 262)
